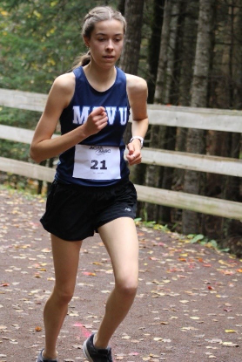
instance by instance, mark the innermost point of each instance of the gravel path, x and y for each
(188, 307)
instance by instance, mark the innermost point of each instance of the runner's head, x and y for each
(94, 16)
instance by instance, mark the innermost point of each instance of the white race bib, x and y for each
(96, 162)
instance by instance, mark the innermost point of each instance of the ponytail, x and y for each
(82, 60)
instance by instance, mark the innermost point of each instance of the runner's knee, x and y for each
(63, 295)
(127, 286)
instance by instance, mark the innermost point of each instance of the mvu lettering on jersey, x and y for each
(80, 115)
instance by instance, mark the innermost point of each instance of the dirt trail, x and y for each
(188, 307)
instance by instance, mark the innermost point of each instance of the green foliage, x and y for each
(12, 117)
(18, 117)
(193, 238)
(14, 150)
(39, 40)
(201, 239)
(151, 224)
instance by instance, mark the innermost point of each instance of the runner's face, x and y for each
(106, 42)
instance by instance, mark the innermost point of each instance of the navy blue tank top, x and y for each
(99, 159)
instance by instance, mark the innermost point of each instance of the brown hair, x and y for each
(97, 14)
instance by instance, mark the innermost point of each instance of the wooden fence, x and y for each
(199, 118)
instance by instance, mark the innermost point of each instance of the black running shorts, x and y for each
(75, 212)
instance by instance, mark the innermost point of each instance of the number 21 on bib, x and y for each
(96, 162)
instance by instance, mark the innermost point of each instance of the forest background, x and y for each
(189, 52)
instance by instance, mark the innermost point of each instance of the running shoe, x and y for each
(94, 354)
(42, 359)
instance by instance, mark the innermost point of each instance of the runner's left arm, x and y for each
(137, 93)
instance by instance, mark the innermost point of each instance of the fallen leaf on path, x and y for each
(230, 344)
(46, 250)
(89, 274)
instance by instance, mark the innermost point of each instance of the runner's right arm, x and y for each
(43, 146)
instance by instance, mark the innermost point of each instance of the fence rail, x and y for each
(209, 119)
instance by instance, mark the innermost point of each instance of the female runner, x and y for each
(91, 191)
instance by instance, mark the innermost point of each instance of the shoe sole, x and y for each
(86, 353)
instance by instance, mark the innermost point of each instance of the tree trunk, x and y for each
(153, 172)
(234, 235)
(166, 175)
(169, 94)
(157, 132)
(134, 15)
(161, 74)
(163, 89)
(154, 46)
(184, 72)
(233, 190)
(199, 92)
(121, 6)
(129, 62)
(175, 11)
(228, 95)
(188, 49)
